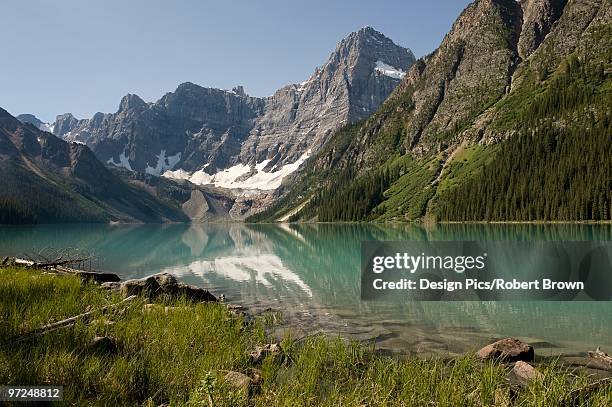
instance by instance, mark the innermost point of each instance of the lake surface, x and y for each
(311, 273)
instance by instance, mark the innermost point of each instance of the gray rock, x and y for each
(238, 381)
(507, 350)
(600, 360)
(524, 373)
(196, 207)
(346, 89)
(538, 18)
(112, 286)
(65, 124)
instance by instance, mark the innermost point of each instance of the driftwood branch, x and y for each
(49, 257)
(67, 322)
(48, 265)
(600, 359)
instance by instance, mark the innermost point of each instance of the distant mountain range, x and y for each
(232, 140)
(509, 119)
(220, 154)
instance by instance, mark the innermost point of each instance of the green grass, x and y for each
(407, 197)
(465, 164)
(180, 357)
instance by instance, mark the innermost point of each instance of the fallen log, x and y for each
(60, 268)
(95, 276)
(65, 322)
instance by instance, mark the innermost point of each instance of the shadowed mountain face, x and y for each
(196, 133)
(39, 124)
(45, 179)
(516, 91)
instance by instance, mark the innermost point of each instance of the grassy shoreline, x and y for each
(179, 353)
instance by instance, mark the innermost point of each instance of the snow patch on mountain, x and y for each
(163, 163)
(388, 70)
(229, 177)
(48, 127)
(123, 162)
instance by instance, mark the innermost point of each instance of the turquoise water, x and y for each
(311, 273)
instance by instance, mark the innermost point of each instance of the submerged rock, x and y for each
(507, 350)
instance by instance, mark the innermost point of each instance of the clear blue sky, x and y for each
(82, 56)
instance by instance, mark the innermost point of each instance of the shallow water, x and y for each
(311, 273)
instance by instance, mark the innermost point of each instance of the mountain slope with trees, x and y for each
(509, 119)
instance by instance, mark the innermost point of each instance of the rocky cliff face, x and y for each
(357, 78)
(232, 140)
(193, 126)
(538, 17)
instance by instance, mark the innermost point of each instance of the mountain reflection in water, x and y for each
(311, 273)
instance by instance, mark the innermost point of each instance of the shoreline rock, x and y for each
(524, 373)
(507, 350)
(163, 284)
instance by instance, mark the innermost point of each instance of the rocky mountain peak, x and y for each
(7, 120)
(372, 43)
(64, 124)
(364, 34)
(187, 87)
(359, 75)
(35, 121)
(131, 101)
(29, 118)
(239, 90)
